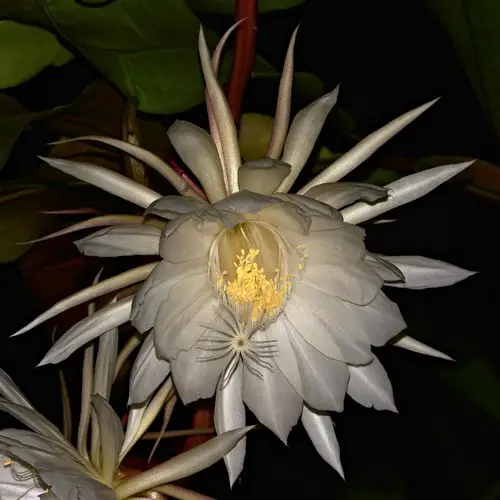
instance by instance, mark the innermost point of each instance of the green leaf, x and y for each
(227, 6)
(478, 382)
(27, 50)
(474, 28)
(13, 120)
(21, 220)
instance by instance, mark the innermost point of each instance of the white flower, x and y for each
(261, 297)
(17, 481)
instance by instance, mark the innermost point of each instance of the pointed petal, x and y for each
(148, 372)
(421, 272)
(87, 329)
(106, 179)
(39, 424)
(282, 115)
(10, 391)
(370, 386)
(183, 465)
(271, 397)
(112, 436)
(303, 135)
(146, 157)
(365, 148)
(118, 241)
(135, 416)
(106, 363)
(262, 176)
(86, 401)
(197, 150)
(340, 194)
(230, 414)
(414, 345)
(171, 207)
(223, 118)
(403, 191)
(105, 220)
(319, 427)
(122, 280)
(214, 131)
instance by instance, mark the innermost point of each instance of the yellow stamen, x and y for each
(252, 287)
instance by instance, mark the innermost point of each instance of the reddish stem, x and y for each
(244, 53)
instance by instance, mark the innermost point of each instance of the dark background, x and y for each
(390, 57)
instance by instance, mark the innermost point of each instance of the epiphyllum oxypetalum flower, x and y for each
(262, 297)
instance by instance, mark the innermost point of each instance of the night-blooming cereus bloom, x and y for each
(42, 462)
(262, 297)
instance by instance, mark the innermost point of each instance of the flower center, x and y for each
(251, 287)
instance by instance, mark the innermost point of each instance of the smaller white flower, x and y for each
(18, 482)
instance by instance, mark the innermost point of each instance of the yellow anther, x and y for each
(252, 287)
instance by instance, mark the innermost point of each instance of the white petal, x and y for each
(222, 115)
(340, 194)
(381, 319)
(319, 427)
(422, 272)
(110, 285)
(303, 134)
(197, 150)
(414, 345)
(170, 207)
(329, 328)
(230, 414)
(183, 465)
(148, 372)
(156, 289)
(282, 115)
(365, 148)
(112, 436)
(106, 179)
(310, 205)
(271, 397)
(323, 380)
(88, 329)
(353, 282)
(403, 191)
(245, 201)
(145, 156)
(104, 220)
(370, 386)
(118, 241)
(196, 378)
(189, 237)
(106, 363)
(262, 176)
(10, 391)
(181, 318)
